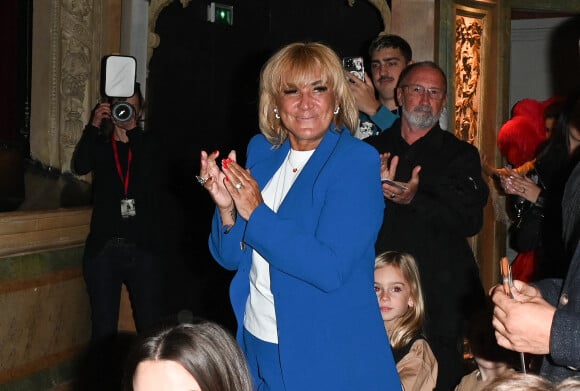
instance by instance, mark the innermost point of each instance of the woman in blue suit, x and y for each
(299, 225)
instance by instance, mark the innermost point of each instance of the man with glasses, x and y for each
(433, 206)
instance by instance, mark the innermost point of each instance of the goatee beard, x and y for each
(421, 117)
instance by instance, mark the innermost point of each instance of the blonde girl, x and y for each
(398, 289)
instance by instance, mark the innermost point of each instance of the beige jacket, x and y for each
(418, 368)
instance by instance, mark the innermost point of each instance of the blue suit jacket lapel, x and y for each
(265, 169)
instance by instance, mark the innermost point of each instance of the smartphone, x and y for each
(355, 65)
(508, 286)
(506, 276)
(394, 184)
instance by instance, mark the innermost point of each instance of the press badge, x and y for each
(128, 208)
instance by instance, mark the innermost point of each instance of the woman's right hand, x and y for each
(214, 176)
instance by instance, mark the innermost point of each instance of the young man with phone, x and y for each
(375, 96)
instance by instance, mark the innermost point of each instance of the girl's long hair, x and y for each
(410, 324)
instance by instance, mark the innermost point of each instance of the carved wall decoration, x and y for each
(76, 48)
(70, 51)
(468, 60)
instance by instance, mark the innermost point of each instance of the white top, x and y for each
(260, 315)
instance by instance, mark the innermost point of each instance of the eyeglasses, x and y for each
(419, 90)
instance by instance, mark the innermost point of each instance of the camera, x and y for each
(118, 84)
(354, 65)
(122, 111)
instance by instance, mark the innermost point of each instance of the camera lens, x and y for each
(122, 111)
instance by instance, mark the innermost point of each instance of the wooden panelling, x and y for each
(27, 232)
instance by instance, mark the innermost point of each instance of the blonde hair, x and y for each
(296, 63)
(517, 381)
(569, 384)
(411, 323)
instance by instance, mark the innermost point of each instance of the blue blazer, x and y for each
(320, 247)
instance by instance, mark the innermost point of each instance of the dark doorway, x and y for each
(15, 40)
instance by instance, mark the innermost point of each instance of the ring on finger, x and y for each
(393, 195)
(201, 180)
(239, 185)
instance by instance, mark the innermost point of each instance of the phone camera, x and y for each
(122, 111)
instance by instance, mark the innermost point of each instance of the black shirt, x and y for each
(446, 210)
(147, 187)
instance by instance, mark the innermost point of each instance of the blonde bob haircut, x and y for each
(297, 64)
(411, 323)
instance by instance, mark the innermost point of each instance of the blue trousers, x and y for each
(264, 362)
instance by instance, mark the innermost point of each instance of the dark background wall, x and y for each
(9, 42)
(14, 100)
(202, 84)
(202, 94)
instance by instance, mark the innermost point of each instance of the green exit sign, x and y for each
(220, 13)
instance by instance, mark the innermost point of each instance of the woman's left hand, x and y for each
(520, 185)
(243, 188)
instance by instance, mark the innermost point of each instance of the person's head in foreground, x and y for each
(518, 381)
(188, 357)
(491, 359)
(569, 384)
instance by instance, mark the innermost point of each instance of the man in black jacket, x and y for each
(434, 206)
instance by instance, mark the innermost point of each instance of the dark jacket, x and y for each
(147, 186)
(436, 225)
(564, 359)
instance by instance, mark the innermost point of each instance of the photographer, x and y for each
(126, 242)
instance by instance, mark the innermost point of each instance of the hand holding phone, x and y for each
(354, 65)
(394, 184)
(508, 286)
(506, 276)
